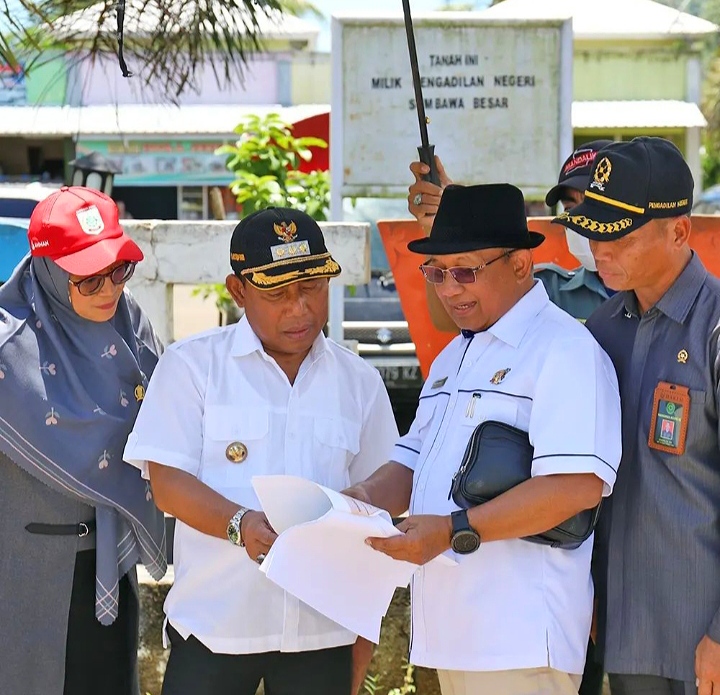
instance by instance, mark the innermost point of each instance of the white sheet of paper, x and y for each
(320, 555)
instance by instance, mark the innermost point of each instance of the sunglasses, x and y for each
(94, 283)
(464, 275)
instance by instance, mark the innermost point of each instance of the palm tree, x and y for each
(165, 42)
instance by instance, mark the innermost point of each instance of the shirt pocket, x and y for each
(248, 431)
(480, 406)
(336, 441)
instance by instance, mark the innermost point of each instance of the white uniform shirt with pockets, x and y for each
(334, 426)
(511, 604)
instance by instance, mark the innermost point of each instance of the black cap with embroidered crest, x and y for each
(630, 184)
(275, 247)
(575, 172)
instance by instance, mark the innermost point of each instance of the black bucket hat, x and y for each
(278, 246)
(630, 184)
(575, 172)
(471, 218)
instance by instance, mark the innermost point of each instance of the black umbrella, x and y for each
(426, 150)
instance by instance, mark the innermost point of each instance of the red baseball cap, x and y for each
(79, 229)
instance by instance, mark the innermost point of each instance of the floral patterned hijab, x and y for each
(70, 390)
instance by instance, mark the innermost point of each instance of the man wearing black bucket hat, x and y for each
(514, 616)
(579, 291)
(662, 632)
(269, 395)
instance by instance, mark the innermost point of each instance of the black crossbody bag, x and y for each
(499, 457)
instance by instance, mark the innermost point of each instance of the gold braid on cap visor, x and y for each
(329, 269)
(594, 226)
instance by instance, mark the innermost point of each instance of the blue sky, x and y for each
(327, 7)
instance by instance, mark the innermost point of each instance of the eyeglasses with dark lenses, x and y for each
(94, 283)
(464, 275)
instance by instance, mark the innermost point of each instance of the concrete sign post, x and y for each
(498, 94)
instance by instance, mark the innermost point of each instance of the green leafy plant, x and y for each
(266, 160)
(373, 684)
(408, 685)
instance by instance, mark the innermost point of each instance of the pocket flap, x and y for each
(224, 422)
(338, 432)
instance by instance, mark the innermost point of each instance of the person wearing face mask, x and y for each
(579, 291)
(76, 352)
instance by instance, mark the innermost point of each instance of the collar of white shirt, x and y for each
(246, 342)
(512, 326)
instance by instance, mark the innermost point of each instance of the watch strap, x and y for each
(460, 521)
(234, 529)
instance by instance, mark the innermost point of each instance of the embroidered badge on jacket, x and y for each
(499, 376)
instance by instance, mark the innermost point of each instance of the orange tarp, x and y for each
(429, 341)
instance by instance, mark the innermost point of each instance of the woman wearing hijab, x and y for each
(76, 352)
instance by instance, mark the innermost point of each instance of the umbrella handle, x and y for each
(427, 156)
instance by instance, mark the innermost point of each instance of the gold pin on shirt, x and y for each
(139, 392)
(236, 452)
(682, 357)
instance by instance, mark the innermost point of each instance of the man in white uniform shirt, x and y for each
(514, 616)
(270, 395)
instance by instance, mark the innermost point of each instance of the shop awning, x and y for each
(138, 120)
(613, 115)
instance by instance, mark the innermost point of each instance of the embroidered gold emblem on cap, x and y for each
(683, 356)
(286, 232)
(236, 452)
(594, 225)
(499, 376)
(602, 174)
(237, 256)
(139, 392)
(295, 248)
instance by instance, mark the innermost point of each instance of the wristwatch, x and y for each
(234, 533)
(465, 539)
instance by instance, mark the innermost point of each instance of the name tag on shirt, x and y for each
(670, 414)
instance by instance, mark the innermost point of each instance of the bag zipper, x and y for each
(469, 457)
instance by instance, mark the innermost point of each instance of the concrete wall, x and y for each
(190, 253)
(310, 78)
(616, 71)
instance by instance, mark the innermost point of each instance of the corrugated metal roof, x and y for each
(148, 120)
(611, 19)
(137, 119)
(637, 114)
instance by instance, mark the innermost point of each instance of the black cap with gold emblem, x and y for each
(630, 184)
(277, 246)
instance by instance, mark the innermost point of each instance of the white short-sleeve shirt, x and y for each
(511, 604)
(334, 425)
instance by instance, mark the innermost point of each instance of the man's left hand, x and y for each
(424, 537)
(362, 654)
(707, 667)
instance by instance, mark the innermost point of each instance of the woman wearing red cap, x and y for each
(76, 352)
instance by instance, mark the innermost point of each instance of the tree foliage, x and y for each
(166, 42)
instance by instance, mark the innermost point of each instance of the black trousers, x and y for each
(100, 659)
(622, 684)
(592, 680)
(193, 669)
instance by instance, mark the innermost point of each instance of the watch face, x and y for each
(464, 542)
(233, 532)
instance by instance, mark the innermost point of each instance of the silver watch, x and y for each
(234, 533)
